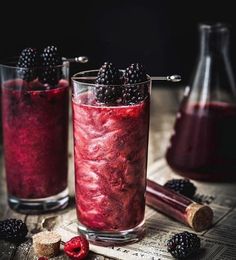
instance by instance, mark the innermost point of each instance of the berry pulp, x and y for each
(203, 145)
(110, 151)
(35, 128)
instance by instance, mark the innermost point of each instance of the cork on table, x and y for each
(164, 105)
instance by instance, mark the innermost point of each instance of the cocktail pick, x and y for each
(172, 78)
(80, 59)
(84, 59)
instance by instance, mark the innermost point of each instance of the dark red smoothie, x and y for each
(35, 138)
(110, 148)
(203, 145)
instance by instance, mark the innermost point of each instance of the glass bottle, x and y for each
(203, 144)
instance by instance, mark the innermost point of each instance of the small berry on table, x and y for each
(184, 244)
(77, 248)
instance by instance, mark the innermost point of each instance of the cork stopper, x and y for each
(199, 217)
(46, 243)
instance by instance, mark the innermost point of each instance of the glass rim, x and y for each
(214, 26)
(75, 79)
(23, 86)
(8, 63)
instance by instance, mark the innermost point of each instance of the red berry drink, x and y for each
(204, 144)
(35, 131)
(110, 164)
(110, 151)
(35, 140)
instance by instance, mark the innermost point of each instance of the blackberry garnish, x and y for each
(133, 75)
(183, 244)
(27, 63)
(50, 59)
(108, 76)
(182, 186)
(13, 230)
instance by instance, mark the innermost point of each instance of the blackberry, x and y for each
(182, 186)
(51, 56)
(27, 63)
(110, 79)
(13, 230)
(50, 59)
(183, 244)
(136, 92)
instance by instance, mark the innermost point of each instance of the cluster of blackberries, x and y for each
(43, 64)
(13, 230)
(129, 86)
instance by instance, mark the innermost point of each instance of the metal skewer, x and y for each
(84, 59)
(172, 78)
(80, 59)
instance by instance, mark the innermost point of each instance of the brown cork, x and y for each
(46, 243)
(199, 216)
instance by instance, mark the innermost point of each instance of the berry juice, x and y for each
(203, 145)
(35, 138)
(110, 148)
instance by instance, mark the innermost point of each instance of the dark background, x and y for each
(162, 35)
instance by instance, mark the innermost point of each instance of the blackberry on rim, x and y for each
(136, 92)
(27, 63)
(127, 87)
(50, 59)
(110, 79)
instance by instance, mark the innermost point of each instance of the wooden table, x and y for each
(164, 104)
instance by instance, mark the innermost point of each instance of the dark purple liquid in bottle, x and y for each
(203, 145)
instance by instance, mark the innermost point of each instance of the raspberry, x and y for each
(27, 63)
(183, 244)
(50, 59)
(77, 248)
(13, 230)
(136, 92)
(110, 76)
(182, 186)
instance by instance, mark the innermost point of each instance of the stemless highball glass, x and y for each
(110, 153)
(35, 133)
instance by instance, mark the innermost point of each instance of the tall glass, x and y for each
(35, 133)
(110, 153)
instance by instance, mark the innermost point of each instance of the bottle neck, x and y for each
(213, 78)
(214, 40)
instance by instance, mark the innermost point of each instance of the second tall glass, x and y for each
(35, 133)
(110, 152)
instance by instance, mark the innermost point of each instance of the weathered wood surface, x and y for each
(164, 104)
